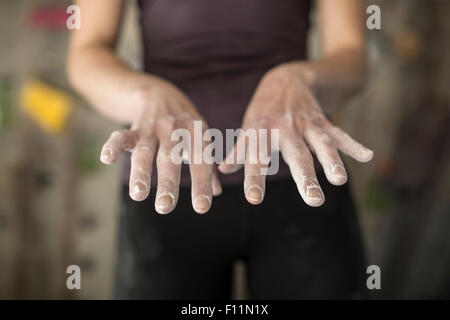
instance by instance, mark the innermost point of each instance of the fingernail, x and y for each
(138, 189)
(202, 204)
(339, 175)
(367, 150)
(315, 196)
(254, 193)
(107, 156)
(164, 202)
(366, 153)
(314, 193)
(338, 170)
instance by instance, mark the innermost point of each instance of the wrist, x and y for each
(143, 94)
(296, 71)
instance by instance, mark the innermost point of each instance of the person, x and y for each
(230, 64)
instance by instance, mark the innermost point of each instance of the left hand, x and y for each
(285, 100)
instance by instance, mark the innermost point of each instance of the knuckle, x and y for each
(144, 147)
(321, 121)
(201, 186)
(168, 122)
(303, 160)
(326, 140)
(286, 121)
(192, 122)
(311, 182)
(261, 122)
(253, 178)
(167, 184)
(118, 134)
(141, 173)
(165, 155)
(185, 116)
(188, 124)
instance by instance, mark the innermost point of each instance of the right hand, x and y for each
(164, 109)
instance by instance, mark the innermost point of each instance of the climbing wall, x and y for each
(58, 204)
(404, 114)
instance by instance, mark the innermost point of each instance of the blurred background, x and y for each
(58, 204)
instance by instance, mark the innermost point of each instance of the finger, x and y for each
(141, 168)
(299, 159)
(168, 179)
(254, 183)
(235, 159)
(326, 152)
(201, 172)
(216, 184)
(201, 176)
(347, 144)
(118, 141)
(255, 168)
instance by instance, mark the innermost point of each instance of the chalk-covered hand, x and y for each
(164, 109)
(285, 100)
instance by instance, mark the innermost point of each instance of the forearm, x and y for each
(113, 88)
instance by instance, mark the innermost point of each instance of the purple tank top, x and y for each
(216, 51)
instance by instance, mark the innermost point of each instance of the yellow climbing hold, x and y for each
(47, 106)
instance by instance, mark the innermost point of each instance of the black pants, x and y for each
(291, 251)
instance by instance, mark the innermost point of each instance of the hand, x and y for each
(284, 100)
(164, 109)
